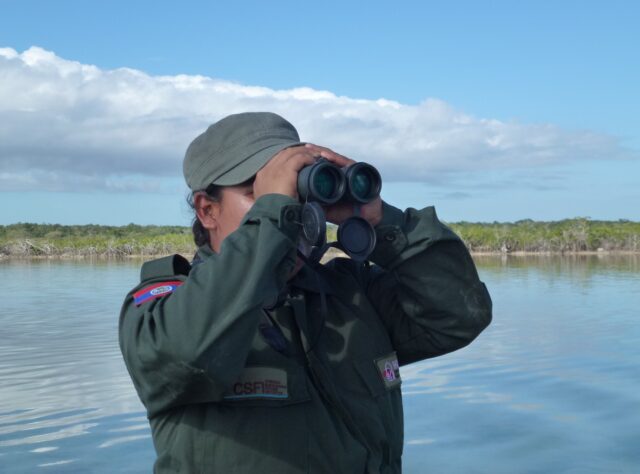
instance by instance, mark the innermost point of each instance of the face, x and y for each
(224, 216)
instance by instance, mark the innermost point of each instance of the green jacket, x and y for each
(311, 385)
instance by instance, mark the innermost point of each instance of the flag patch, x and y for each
(155, 291)
(389, 370)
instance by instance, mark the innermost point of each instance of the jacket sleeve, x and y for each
(190, 346)
(425, 285)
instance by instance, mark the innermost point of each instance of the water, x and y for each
(553, 386)
(66, 400)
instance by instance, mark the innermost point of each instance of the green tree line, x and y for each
(27, 239)
(569, 235)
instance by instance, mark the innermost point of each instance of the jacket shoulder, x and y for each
(170, 266)
(158, 278)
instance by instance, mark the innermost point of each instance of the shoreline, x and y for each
(579, 236)
(555, 253)
(331, 253)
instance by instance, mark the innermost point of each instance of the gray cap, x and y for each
(234, 149)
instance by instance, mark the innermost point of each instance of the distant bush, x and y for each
(569, 235)
(26, 239)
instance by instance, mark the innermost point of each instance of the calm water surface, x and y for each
(553, 386)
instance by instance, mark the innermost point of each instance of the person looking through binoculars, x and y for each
(257, 357)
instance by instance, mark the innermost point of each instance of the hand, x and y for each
(280, 174)
(341, 211)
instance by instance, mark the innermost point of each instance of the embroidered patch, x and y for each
(155, 291)
(389, 370)
(259, 382)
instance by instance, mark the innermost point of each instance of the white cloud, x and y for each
(63, 122)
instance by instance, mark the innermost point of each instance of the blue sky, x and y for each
(491, 111)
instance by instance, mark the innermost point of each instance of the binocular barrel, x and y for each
(327, 183)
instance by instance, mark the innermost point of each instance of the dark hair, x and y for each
(200, 234)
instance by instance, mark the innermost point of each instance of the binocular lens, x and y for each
(324, 183)
(362, 185)
(364, 182)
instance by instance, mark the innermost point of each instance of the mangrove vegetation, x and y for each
(565, 236)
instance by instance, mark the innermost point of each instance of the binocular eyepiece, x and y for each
(327, 183)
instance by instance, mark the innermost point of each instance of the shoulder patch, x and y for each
(155, 290)
(389, 370)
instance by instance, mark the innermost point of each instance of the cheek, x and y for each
(237, 212)
(244, 205)
(247, 204)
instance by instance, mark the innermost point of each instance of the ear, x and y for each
(207, 210)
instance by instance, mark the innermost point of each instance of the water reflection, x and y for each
(65, 395)
(567, 265)
(551, 386)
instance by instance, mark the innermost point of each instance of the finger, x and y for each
(330, 155)
(287, 153)
(324, 151)
(300, 160)
(289, 160)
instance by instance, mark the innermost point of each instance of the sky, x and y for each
(489, 110)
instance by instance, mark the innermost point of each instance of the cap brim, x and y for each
(249, 167)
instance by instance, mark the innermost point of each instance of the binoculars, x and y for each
(327, 183)
(324, 183)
